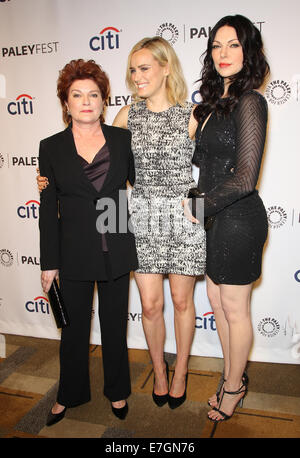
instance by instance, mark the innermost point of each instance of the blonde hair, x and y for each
(163, 52)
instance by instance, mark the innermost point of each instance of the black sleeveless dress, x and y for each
(229, 152)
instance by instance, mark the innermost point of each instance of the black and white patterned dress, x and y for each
(166, 241)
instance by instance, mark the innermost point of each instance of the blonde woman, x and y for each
(163, 128)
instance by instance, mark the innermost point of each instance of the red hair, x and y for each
(80, 70)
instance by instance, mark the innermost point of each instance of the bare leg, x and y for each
(214, 296)
(182, 291)
(236, 306)
(152, 298)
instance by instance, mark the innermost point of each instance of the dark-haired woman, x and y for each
(230, 142)
(87, 162)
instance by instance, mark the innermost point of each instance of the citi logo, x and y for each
(29, 210)
(22, 105)
(207, 321)
(39, 304)
(108, 39)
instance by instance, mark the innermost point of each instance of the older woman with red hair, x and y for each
(87, 165)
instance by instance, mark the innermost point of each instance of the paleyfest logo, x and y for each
(108, 39)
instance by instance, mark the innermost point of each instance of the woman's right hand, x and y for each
(41, 181)
(188, 213)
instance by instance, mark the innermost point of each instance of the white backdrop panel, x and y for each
(37, 38)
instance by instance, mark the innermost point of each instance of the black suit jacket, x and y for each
(69, 239)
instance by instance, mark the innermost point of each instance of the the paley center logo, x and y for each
(169, 32)
(108, 38)
(23, 105)
(6, 257)
(277, 216)
(278, 92)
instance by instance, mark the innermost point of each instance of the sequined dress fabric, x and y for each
(229, 152)
(166, 241)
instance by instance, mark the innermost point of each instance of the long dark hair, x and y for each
(255, 69)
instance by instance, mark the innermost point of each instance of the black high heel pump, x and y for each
(54, 418)
(176, 402)
(161, 400)
(120, 413)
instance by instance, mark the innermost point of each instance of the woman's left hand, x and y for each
(47, 278)
(41, 181)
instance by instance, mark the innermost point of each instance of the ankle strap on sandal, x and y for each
(239, 391)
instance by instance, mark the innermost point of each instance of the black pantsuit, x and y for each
(74, 386)
(70, 242)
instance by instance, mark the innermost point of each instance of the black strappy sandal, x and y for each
(219, 389)
(242, 389)
(221, 383)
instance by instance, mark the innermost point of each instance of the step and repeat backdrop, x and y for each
(37, 38)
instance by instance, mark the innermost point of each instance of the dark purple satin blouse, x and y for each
(96, 172)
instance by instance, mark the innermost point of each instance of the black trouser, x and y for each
(74, 384)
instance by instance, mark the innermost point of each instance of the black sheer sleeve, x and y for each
(250, 117)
